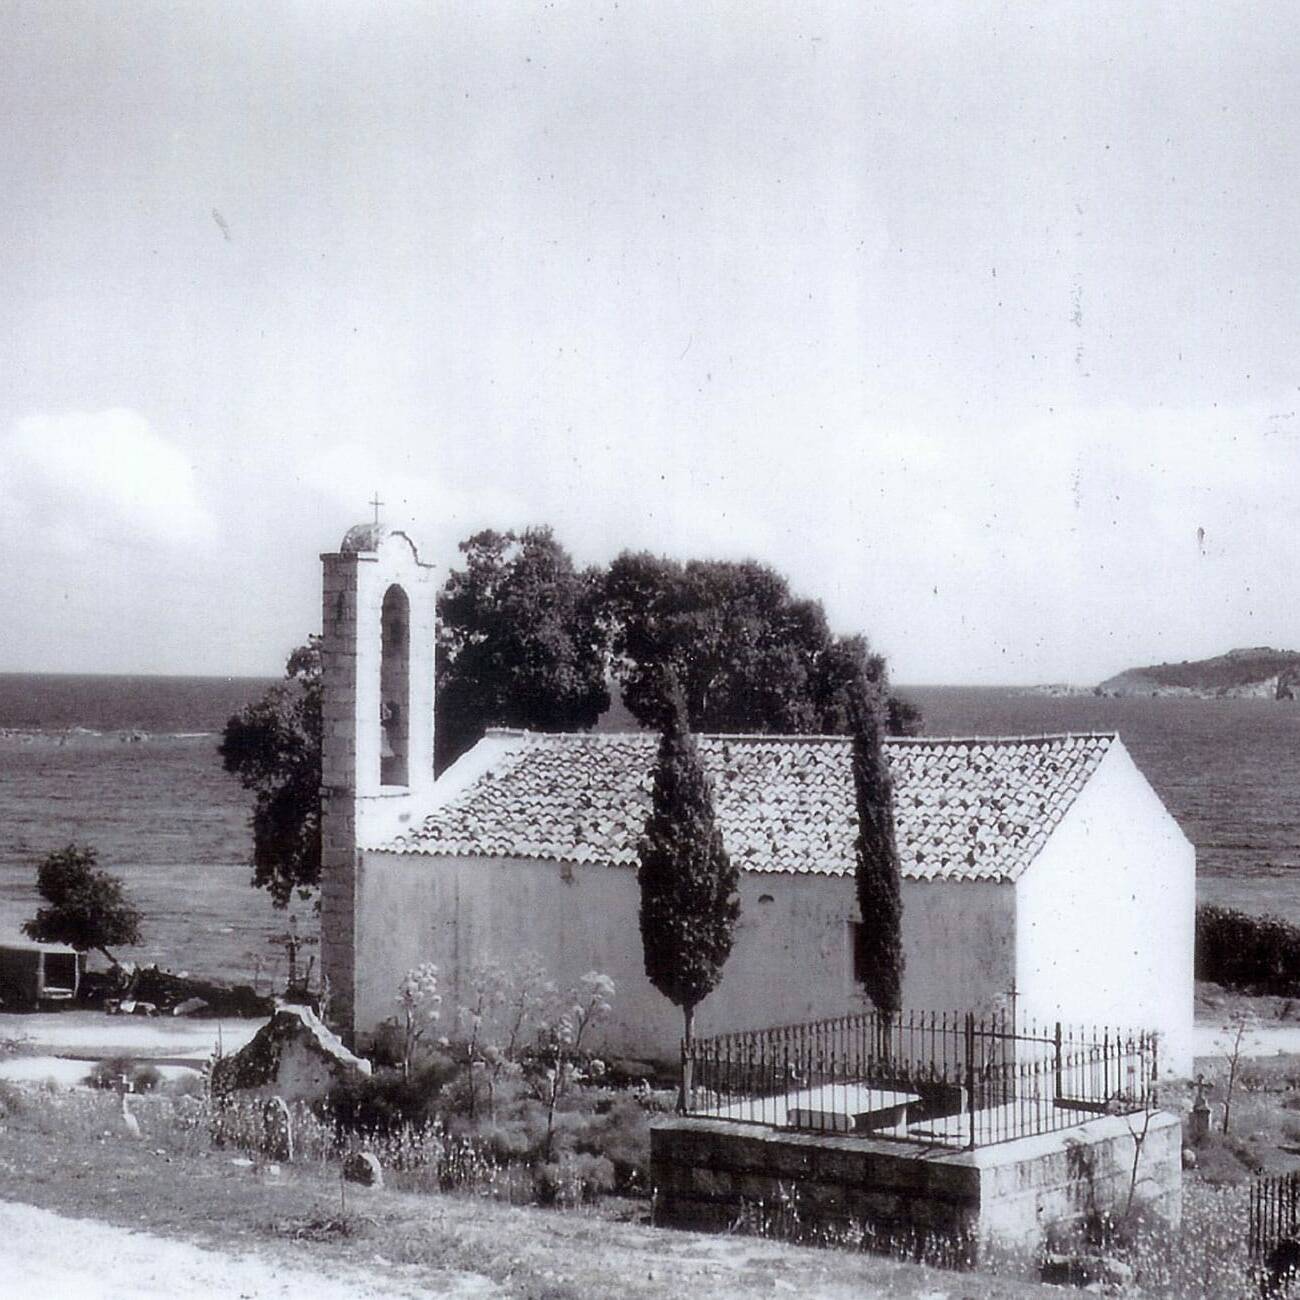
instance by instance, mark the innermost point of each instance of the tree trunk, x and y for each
(884, 1030)
(688, 1062)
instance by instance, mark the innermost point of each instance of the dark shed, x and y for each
(35, 973)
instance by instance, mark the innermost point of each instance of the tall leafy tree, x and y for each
(525, 640)
(520, 643)
(748, 654)
(87, 908)
(689, 888)
(879, 955)
(274, 747)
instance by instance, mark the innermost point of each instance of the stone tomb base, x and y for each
(708, 1174)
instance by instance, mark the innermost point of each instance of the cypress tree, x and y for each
(689, 888)
(879, 957)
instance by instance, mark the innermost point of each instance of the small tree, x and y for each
(507, 1002)
(1231, 1048)
(588, 1002)
(689, 898)
(879, 939)
(87, 907)
(421, 1005)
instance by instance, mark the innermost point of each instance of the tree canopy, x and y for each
(274, 747)
(526, 639)
(87, 907)
(749, 656)
(689, 888)
(520, 643)
(878, 958)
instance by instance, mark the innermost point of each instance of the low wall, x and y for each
(706, 1172)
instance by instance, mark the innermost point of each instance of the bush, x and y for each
(189, 1084)
(12, 1101)
(621, 1135)
(146, 1078)
(108, 1075)
(572, 1180)
(1255, 954)
(386, 1046)
(387, 1101)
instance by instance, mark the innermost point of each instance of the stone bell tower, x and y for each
(377, 725)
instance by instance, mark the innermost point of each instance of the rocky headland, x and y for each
(1257, 673)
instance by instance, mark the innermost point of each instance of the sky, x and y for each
(977, 321)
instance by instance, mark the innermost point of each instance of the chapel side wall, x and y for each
(791, 961)
(1107, 915)
(958, 945)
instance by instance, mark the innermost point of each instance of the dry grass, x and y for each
(66, 1152)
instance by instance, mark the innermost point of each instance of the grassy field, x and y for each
(67, 1152)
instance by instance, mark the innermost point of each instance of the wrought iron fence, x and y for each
(938, 1079)
(1275, 1231)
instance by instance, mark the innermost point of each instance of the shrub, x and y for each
(189, 1084)
(1258, 954)
(621, 1135)
(108, 1074)
(572, 1179)
(146, 1078)
(386, 1046)
(12, 1101)
(387, 1100)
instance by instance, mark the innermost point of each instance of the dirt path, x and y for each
(45, 1255)
(1263, 1040)
(92, 1033)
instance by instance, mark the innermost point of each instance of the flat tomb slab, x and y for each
(832, 1107)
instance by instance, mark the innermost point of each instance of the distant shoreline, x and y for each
(58, 737)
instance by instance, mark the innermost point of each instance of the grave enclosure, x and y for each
(919, 1128)
(707, 1173)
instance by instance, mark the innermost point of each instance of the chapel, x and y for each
(1042, 876)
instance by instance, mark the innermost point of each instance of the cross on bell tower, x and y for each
(376, 502)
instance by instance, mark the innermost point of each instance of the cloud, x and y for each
(80, 478)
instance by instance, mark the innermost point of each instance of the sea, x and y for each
(130, 765)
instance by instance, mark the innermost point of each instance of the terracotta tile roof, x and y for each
(968, 809)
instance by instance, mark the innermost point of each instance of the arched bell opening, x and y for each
(395, 688)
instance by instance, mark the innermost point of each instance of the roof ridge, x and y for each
(1009, 739)
(804, 738)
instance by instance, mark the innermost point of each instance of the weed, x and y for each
(12, 1101)
(336, 1227)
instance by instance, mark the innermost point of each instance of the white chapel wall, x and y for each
(791, 961)
(958, 944)
(1106, 915)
